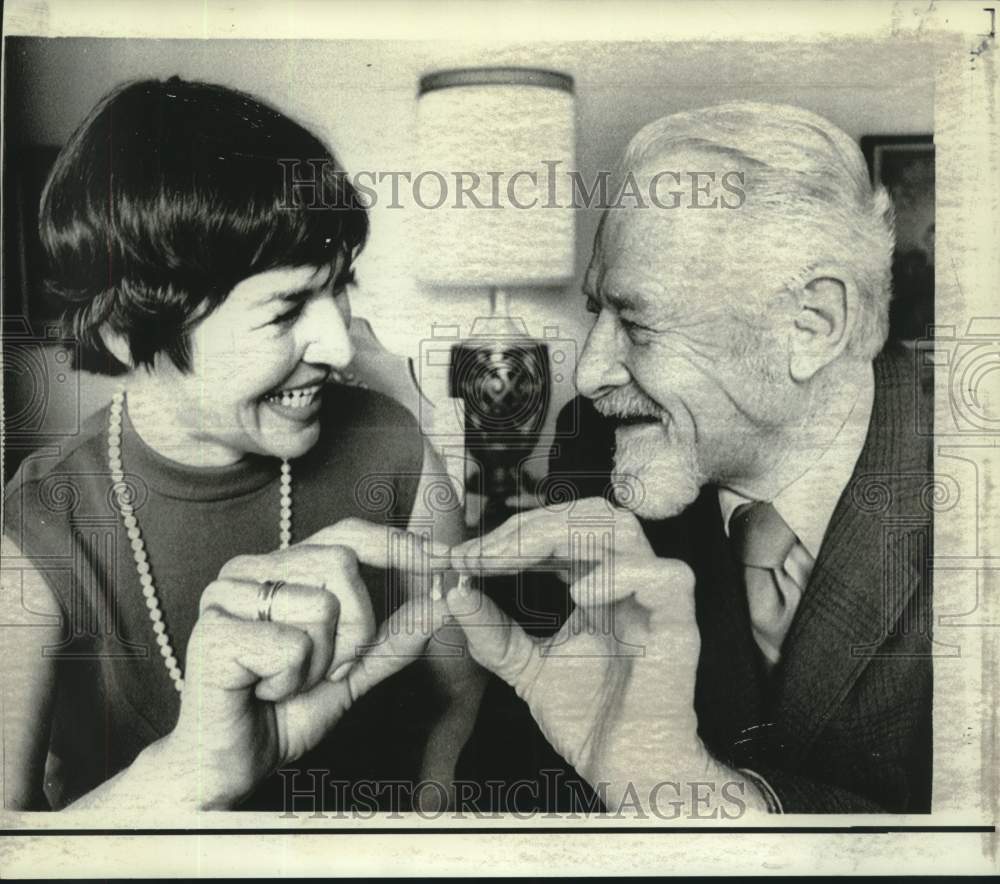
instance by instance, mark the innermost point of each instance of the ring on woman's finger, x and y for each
(265, 598)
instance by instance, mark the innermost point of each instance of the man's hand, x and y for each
(258, 694)
(613, 690)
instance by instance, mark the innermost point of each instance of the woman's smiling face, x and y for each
(259, 366)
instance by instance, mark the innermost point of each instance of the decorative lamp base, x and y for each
(504, 385)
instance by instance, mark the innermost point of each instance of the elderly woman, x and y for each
(201, 597)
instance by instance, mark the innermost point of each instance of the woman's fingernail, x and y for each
(341, 671)
(462, 588)
(437, 584)
(461, 599)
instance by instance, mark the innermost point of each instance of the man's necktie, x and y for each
(762, 542)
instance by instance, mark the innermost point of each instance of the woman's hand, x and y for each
(258, 694)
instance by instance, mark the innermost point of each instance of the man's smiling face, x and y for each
(681, 353)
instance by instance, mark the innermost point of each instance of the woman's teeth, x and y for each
(299, 398)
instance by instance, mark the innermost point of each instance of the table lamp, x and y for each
(500, 143)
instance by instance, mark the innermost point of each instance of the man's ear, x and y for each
(117, 346)
(823, 323)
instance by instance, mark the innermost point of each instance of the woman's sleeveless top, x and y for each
(115, 696)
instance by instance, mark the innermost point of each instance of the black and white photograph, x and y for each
(451, 439)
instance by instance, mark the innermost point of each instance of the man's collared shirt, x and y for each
(807, 504)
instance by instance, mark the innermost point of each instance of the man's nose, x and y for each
(327, 339)
(600, 368)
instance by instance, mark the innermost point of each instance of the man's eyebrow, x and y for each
(621, 302)
(617, 302)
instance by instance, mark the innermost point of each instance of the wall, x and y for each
(362, 96)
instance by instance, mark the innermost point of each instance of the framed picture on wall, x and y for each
(904, 165)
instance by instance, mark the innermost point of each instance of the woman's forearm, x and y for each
(163, 774)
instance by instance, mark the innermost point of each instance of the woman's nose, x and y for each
(327, 339)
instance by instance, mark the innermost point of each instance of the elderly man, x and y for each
(764, 628)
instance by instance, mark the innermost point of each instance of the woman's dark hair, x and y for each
(167, 196)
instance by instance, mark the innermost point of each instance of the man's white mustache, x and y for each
(626, 404)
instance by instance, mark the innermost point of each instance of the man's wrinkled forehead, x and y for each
(695, 236)
(659, 244)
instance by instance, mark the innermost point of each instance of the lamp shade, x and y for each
(495, 194)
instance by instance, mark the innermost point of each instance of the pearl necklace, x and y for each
(123, 496)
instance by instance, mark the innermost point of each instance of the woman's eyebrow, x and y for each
(298, 294)
(286, 296)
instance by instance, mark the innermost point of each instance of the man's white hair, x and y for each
(807, 192)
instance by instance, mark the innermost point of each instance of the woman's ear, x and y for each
(117, 345)
(823, 323)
